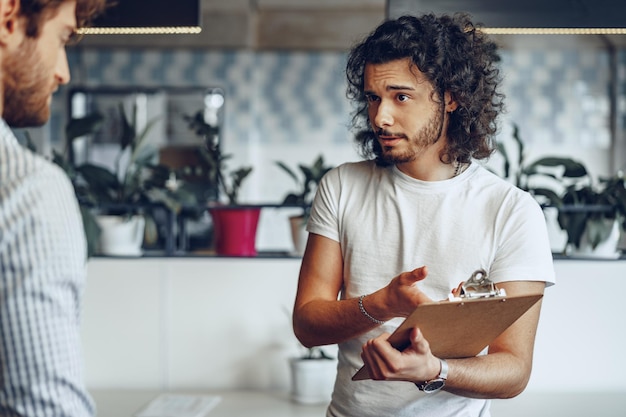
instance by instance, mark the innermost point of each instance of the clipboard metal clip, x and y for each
(479, 286)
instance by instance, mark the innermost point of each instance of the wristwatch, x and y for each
(434, 385)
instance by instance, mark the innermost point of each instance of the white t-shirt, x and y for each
(388, 223)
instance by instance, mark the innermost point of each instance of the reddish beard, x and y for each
(427, 136)
(26, 87)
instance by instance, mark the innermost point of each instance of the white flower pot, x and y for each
(121, 235)
(312, 380)
(605, 250)
(557, 236)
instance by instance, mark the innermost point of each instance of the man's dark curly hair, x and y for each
(456, 57)
(38, 11)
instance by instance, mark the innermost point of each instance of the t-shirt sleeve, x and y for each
(324, 218)
(524, 252)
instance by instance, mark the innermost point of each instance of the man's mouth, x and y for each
(388, 138)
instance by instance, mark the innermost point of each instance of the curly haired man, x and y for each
(419, 215)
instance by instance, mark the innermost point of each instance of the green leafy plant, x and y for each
(545, 178)
(315, 352)
(594, 209)
(307, 182)
(137, 184)
(77, 127)
(567, 185)
(137, 179)
(228, 183)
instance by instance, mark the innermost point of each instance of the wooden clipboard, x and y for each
(459, 329)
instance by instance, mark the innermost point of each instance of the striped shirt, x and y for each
(42, 274)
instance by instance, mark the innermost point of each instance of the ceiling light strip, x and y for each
(173, 30)
(554, 31)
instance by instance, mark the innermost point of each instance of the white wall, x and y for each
(221, 323)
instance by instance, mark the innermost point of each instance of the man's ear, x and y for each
(450, 102)
(9, 13)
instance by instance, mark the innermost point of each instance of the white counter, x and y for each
(118, 403)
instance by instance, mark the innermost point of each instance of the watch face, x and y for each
(434, 385)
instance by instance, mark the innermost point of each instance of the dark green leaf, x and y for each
(92, 230)
(572, 169)
(82, 126)
(552, 197)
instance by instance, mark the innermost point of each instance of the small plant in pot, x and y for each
(312, 377)
(234, 224)
(313, 372)
(307, 183)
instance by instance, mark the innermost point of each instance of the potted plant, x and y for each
(126, 196)
(546, 179)
(234, 224)
(594, 216)
(307, 183)
(313, 373)
(312, 376)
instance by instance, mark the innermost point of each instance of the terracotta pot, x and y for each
(235, 230)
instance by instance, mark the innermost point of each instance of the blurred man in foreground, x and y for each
(42, 242)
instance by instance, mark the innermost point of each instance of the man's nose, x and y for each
(62, 70)
(383, 116)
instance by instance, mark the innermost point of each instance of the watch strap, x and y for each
(443, 375)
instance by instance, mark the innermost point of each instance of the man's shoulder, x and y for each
(488, 178)
(38, 180)
(19, 162)
(359, 168)
(488, 185)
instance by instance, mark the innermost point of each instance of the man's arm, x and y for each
(502, 373)
(320, 318)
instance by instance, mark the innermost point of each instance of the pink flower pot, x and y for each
(235, 230)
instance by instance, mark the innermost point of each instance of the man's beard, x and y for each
(26, 87)
(426, 137)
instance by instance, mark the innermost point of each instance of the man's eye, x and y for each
(403, 97)
(371, 98)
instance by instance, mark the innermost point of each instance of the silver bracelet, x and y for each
(366, 314)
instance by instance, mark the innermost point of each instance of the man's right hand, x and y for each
(402, 295)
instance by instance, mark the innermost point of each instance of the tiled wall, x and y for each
(291, 106)
(557, 97)
(561, 95)
(271, 97)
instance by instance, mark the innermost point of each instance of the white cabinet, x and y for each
(223, 323)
